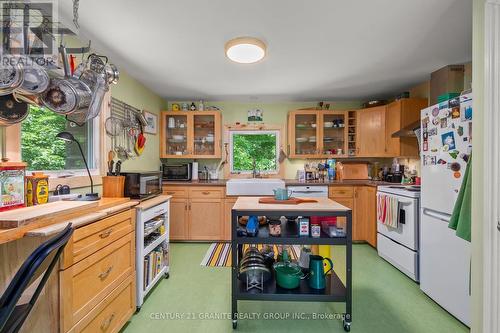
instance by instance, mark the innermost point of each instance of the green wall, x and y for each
(477, 163)
(275, 113)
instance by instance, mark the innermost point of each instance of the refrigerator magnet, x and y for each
(457, 174)
(433, 131)
(455, 113)
(464, 157)
(446, 147)
(435, 112)
(454, 154)
(444, 122)
(460, 130)
(441, 161)
(455, 166)
(425, 120)
(448, 139)
(435, 121)
(434, 150)
(432, 160)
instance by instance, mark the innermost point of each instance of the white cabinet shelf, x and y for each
(152, 246)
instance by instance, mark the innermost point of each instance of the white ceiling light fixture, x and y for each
(245, 50)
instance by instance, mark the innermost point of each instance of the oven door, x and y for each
(407, 231)
(150, 185)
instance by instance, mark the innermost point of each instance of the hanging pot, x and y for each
(36, 80)
(11, 75)
(98, 87)
(65, 96)
(12, 111)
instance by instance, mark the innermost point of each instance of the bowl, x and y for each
(313, 125)
(178, 137)
(328, 124)
(301, 139)
(209, 139)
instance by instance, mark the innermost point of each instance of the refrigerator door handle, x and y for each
(438, 215)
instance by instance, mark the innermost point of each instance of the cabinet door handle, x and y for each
(105, 274)
(189, 206)
(185, 206)
(170, 193)
(205, 192)
(106, 233)
(105, 324)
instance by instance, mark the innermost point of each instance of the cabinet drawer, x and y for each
(93, 237)
(154, 211)
(89, 281)
(206, 192)
(112, 313)
(176, 192)
(341, 192)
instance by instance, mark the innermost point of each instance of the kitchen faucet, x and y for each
(255, 173)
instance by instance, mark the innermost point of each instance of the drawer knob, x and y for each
(106, 233)
(105, 274)
(105, 324)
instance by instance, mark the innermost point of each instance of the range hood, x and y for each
(407, 131)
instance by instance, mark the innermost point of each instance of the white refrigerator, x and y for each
(446, 145)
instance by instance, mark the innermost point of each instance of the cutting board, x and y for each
(22, 216)
(291, 201)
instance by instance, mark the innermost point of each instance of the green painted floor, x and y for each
(384, 300)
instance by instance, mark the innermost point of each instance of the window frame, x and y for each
(275, 132)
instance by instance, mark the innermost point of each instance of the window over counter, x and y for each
(43, 152)
(257, 150)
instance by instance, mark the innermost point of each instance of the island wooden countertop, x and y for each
(106, 205)
(323, 205)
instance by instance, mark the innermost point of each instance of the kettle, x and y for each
(317, 275)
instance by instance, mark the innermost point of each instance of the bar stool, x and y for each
(41, 261)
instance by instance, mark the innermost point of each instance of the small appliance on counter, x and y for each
(177, 172)
(142, 184)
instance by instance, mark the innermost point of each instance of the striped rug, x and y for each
(219, 254)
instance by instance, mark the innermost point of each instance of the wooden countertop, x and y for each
(323, 205)
(104, 205)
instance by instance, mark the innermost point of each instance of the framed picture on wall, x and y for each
(152, 120)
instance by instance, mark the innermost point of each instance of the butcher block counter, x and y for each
(93, 288)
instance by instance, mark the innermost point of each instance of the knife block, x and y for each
(113, 186)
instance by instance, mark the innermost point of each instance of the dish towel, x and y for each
(388, 210)
(461, 217)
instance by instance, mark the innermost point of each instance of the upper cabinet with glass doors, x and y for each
(190, 134)
(317, 134)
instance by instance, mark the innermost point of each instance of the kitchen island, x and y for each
(335, 290)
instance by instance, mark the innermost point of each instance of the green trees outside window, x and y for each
(42, 151)
(258, 146)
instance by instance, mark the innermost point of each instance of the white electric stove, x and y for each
(400, 246)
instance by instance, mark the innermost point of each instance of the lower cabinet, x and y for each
(205, 219)
(362, 201)
(228, 206)
(178, 219)
(196, 213)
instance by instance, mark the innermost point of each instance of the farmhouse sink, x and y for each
(254, 186)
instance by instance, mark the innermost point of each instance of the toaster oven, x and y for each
(142, 185)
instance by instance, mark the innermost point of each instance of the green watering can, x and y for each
(317, 275)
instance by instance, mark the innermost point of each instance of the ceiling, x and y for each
(317, 50)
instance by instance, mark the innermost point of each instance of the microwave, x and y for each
(181, 172)
(142, 185)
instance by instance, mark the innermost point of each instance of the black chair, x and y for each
(41, 261)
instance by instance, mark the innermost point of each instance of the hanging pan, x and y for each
(11, 110)
(11, 75)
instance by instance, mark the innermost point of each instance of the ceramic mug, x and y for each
(282, 194)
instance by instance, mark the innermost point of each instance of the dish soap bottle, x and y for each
(192, 107)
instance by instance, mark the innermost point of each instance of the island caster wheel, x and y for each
(347, 326)
(167, 275)
(235, 324)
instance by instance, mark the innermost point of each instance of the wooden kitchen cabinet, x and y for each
(178, 219)
(362, 201)
(205, 219)
(197, 212)
(317, 133)
(400, 114)
(366, 214)
(370, 140)
(193, 134)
